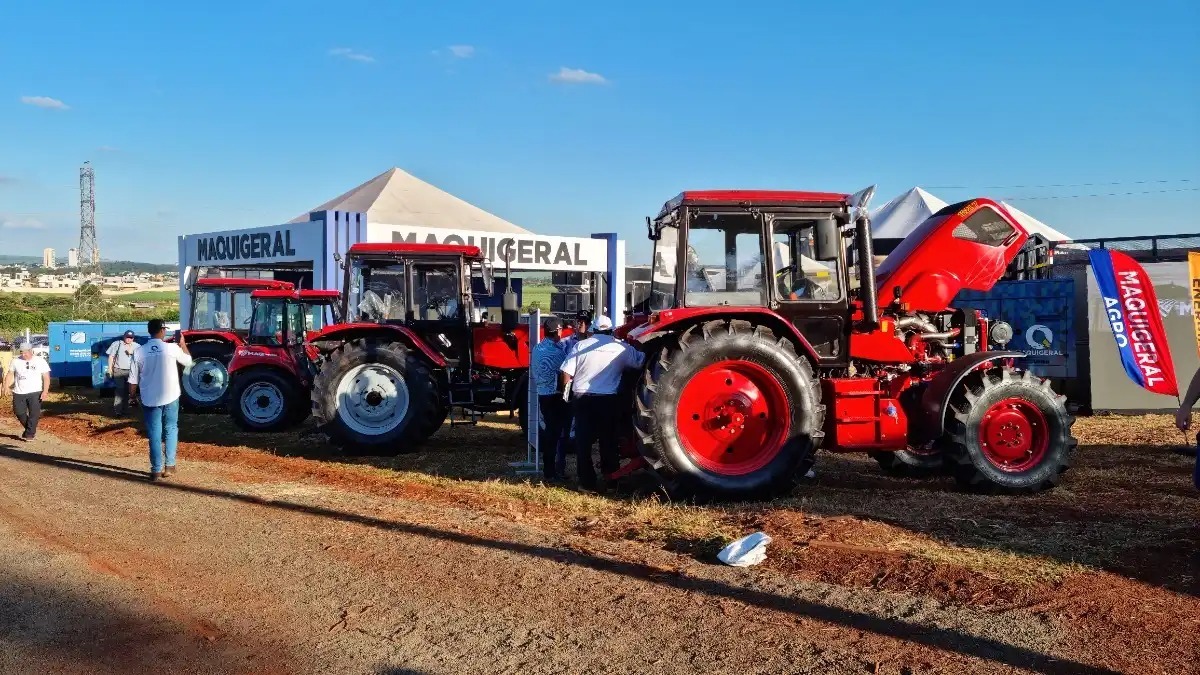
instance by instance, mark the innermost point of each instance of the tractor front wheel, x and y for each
(264, 400)
(729, 411)
(1007, 431)
(204, 384)
(374, 397)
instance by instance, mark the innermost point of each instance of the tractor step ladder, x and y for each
(462, 399)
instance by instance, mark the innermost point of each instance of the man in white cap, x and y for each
(121, 355)
(593, 371)
(28, 377)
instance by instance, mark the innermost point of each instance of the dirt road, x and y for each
(224, 569)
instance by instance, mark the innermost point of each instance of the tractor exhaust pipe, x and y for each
(866, 272)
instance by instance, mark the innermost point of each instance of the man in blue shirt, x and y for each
(545, 361)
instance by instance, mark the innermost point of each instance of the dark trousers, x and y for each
(28, 409)
(120, 391)
(596, 418)
(557, 416)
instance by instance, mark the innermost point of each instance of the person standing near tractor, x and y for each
(121, 355)
(593, 371)
(28, 377)
(156, 371)
(545, 361)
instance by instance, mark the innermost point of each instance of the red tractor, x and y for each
(219, 318)
(271, 373)
(406, 347)
(755, 362)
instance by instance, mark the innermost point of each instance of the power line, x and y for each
(1060, 185)
(1101, 194)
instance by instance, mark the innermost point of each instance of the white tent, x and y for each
(1034, 226)
(895, 219)
(395, 197)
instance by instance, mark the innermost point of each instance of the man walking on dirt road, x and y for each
(155, 371)
(593, 371)
(28, 377)
(120, 361)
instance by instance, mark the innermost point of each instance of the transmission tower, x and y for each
(88, 303)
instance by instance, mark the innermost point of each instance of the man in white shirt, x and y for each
(120, 361)
(156, 372)
(593, 370)
(28, 377)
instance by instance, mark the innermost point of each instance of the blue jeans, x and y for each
(162, 424)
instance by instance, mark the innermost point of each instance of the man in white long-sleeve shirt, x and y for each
(156, 372)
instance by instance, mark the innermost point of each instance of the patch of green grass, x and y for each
(146, 296)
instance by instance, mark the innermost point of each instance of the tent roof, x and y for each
(1033, 225)
(395, 197)
(901, 215)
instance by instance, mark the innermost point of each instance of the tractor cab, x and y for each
(285, 318)
(720, 250)
(223, 304)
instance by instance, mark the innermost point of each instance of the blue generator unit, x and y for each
(77, 348)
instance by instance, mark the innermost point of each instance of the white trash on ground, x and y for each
(749, 550)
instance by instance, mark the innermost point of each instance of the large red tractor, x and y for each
(270, 375)
(219, 318)
(777, 350)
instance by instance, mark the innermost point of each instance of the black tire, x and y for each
(979, 466)
(209, 371)
(909, 464)
(664, 382)
(263, 386)
(422, 416)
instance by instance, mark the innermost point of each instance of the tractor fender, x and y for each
(930, 420)
(249, 357)
(227, 337)
(345, 332)
(676, 320)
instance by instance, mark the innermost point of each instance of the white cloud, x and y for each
(351, 55)
(461, 51)
(21, 223)
(44, 102)
(576, 76)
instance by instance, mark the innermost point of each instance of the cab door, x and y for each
(811, 294)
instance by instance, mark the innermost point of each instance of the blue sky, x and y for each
(571, 118)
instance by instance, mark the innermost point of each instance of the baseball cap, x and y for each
(602, 323)
(552, 324)
(24, 347)
(128, 334)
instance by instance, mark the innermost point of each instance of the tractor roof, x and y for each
(225, 282)
(755, 197)
(288, 294)
(406, 249)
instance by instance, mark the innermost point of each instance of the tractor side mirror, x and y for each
(489, 278)
(828, 239)
(651, 231)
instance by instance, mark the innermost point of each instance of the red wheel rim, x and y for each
(733, 417)
(1014, 435)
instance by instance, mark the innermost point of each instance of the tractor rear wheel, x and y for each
(205, 383)
(729, 411)
(375, 397)
(1007, 431)
(265, 400)
(911, 463)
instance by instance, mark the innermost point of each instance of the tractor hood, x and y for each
(965, 245)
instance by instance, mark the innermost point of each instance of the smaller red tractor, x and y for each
(405, 348)
(219, 319)
(776, 350)
(270, 375)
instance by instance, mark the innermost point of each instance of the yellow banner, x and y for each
(1194, 273)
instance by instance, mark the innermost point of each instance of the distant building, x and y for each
(48, 260)
(72, 258)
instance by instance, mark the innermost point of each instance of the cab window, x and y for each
(296, 323)
(725, 262)
(798, 275)
(984, 226)
(436, 291)
(267, 326)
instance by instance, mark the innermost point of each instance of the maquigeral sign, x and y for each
(520, 251)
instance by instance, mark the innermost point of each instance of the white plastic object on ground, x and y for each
(749, 550)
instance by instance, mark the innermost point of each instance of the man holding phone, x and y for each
(120, 361)
(156, 371)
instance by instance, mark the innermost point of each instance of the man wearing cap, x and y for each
(156, 372)
(593, 371)
(545, 361)
(28, 377)
(121, 355)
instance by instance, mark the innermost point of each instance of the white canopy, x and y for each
(395, 197)
(1034, 226)
(895, 219)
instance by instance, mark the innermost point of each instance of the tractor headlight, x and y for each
(1001, 333)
